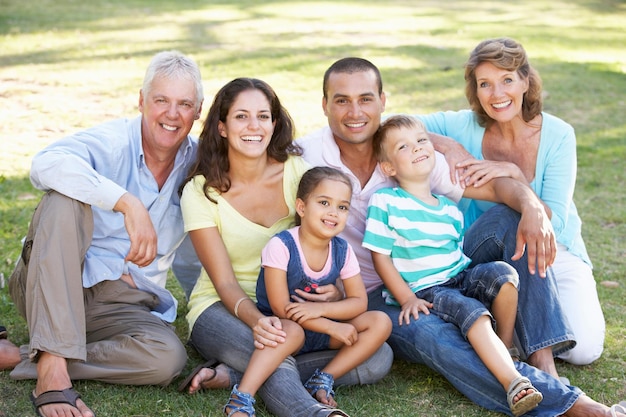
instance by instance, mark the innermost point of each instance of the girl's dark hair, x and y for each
(313, 177)
(506, 54)
(212, 161)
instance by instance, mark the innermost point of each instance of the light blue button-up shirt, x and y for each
(97, 166)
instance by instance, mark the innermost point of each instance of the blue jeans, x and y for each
(433, 342)
(540, 320)
(467, 296)
(283, 393)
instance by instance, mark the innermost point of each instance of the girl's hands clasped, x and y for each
(301, 312)
(346, 333)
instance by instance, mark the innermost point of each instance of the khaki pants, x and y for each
(106, 332)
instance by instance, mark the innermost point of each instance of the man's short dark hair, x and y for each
(350, 65)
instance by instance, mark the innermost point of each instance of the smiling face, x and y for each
(353, 105)
(248, 126)
(500, 92)
(324, 211)
(169, 110)
(408, 154)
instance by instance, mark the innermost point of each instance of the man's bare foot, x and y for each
(586, 407)
(9, 355)
(543, 360)
(52, 375)
(210, 378)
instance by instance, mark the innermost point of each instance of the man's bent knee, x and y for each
(164, 364)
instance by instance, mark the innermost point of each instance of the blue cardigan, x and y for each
(555, 172)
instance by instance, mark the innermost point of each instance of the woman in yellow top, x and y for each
(241, 192)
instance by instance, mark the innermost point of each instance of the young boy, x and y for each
(416, 243)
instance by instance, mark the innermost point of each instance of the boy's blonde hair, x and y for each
(394, 122)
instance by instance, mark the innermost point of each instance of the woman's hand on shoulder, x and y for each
(268, 331)
(474, 172)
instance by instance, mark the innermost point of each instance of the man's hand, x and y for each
(143, 237)
(454, 153)
(535, 233)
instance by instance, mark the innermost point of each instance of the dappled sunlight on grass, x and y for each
(67, 65)
(72, 56)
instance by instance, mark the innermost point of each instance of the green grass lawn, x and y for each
(66, 65)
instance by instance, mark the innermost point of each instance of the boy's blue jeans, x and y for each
(433, 342)
(469, 295)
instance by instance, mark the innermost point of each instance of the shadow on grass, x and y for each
(22, 16)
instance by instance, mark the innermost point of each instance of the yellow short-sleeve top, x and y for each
(244, 240)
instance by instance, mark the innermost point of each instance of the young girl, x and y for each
(307, 256)
(242, 192)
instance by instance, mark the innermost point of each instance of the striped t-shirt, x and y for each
(425, 242)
